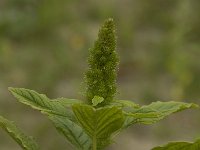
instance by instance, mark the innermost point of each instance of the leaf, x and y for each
(57, 113)
(102, 121)
(73, 132)
(99, 123)
(180, 146)
(26, 142)
(40, 102)
(97, 100)
(124, 103)
(66, 101)
(154, 112)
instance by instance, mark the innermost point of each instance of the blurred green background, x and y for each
(44, 46)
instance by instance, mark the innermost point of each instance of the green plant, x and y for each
(92, 124)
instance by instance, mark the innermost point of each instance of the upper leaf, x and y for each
(40, 102)
(155, 111)
(26, 142)
(180, 146)
(99, 123)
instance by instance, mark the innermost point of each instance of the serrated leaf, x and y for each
(26, 142)
(180, 146)
(40, 102)
(97, 100)
(57, 112)
(155, 111)
(99, 123)
(73, 132)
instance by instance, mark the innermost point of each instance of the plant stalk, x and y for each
(94, 143)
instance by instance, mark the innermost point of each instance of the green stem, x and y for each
(94, 143)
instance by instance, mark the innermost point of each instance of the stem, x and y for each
(94, 143)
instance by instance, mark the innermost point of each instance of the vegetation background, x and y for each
(44, 45)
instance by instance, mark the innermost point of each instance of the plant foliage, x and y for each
(26, 142)
(93, 124)
(103, 60)
(154, 112)
(180, 146)
(99, 123)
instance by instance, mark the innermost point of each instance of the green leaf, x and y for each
(57, 113)
(99, 123)
(66, 101)
(40, 102)
(97, 100)
(124, 103)
(73, 132)
(180, 146)
(26, 142)
(154, 112)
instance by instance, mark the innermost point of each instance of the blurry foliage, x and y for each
(44, 45)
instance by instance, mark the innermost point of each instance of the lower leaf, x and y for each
(26, 142)
(180, 146)
(73, 132)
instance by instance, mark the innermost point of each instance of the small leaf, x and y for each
(180, 146)
(26, 142)
(73, 132)
(97, 100)
(154, 112)
(99, 123)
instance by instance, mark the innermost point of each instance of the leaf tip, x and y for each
(11, 89)
(194, 105)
